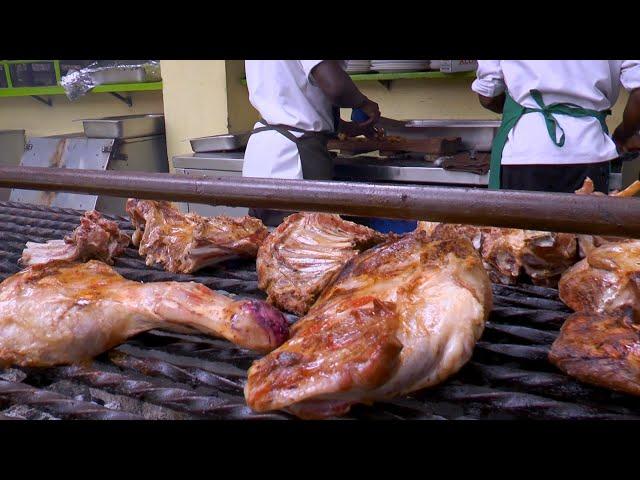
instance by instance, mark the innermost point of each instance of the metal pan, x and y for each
(220, 143)
(476, 135)
(128, 126)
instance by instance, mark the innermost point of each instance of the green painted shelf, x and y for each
(382, 77)
(57, 90)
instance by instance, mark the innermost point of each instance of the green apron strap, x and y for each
(513, 111)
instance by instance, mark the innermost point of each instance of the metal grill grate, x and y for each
(162, 375)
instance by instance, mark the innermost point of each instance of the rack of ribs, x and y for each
(61, 313)
(184, 243)
(95, 238)
(305, 252)
(399, 317)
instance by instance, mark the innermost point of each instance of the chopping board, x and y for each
(432, 145)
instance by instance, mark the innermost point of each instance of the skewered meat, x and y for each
(600, 349)
(507, 253)
(399, 317)
(586, 243)
(95, 238)
(61, 313)
(304, 253)
(184, 243)
(606, 281)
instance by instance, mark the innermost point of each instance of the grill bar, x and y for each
(193, 376)
(601, 215)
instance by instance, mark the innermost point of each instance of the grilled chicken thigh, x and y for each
(399, 317)
(61, 313)
(600, 349)
(96, 238)
(606, 281)
(304, 253)
(184, 243)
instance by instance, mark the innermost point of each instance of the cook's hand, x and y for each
(372, 110)
(625, 143)
(353, 129)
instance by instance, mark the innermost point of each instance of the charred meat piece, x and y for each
(399, 317)
(303, 255)
(508, 253)
(586, 243)
(184, 243)
(600, 349)
(606, 281)
(96, 238)
(62, 313)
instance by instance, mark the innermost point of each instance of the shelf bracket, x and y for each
(47, 101)
(128, 100)
(385, 83)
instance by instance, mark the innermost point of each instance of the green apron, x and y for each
(513, 111)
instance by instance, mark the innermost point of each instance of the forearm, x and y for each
(337, 85)
(630, 124)
(495, 104)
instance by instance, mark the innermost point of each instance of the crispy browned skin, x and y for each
(60, 313)
(304, 253)
(600, 349)
(586, 243)
(184, 243)
(399, 317)
(507, 253)
(605, 281)
(96, 238)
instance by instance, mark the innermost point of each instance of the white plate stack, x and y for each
(399, 66)
(358, 66)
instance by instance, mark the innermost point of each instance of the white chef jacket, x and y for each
(284, 93)
(592, 84)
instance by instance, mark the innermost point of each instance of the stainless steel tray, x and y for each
(475, 134)
(220, 143)
(120, 75)
(128, 126)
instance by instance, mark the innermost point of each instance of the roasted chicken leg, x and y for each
(399, 317)
(61, 313)
(184, 243)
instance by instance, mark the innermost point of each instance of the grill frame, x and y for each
(165, 375)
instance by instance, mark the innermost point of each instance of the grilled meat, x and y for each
(399, 317)
(304, 253)
(606, 281)
(586, 243)
(600, 349)
(508, 253)
(184, 243)
(61, 313)
(96, 238)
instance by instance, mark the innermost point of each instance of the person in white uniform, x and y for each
(553, 132)
(299, 103)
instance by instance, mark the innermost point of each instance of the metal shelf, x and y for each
(38, 93)
(387, 78)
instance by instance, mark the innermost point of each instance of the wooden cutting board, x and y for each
(433, 145)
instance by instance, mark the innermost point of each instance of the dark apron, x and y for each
(315, 160)
(512, 113)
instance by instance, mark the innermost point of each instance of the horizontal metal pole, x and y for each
(530, 210)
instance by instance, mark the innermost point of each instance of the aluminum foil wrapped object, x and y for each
(77, 83)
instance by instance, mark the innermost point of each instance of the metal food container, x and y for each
(476, 135)
(120, 75)
(220, 143)
(128, 126)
